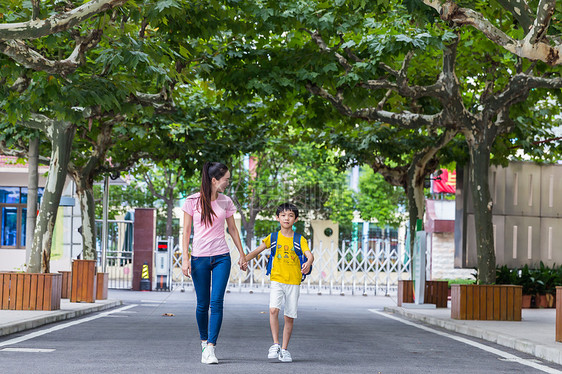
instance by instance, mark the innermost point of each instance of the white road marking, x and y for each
(27, 350)
(62, 326)
(504, 355)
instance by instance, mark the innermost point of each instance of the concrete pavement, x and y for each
(534, 335)
(157, 331)
(12, 321)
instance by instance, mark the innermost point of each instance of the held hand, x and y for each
(186, 268)
(243, 263)
(306, 267)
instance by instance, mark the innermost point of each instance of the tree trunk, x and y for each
(414, 191)
(479, 187)
(32, 185)
(85, 193)
(250, 228)
(169, 216)
(414, 215)
(61, 137)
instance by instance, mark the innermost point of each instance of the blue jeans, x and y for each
(205, 271)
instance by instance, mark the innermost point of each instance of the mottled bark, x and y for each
(32, 186)
(479, 187)
(20, 52)
(61, 135)
(56, 23)
(85, 193)
(84, 176)
(415, 212)
(535, 45)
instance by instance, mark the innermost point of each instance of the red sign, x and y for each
(446, 182)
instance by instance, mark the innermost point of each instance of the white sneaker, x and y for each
(203, 345)
(208, 355)
(274, 351)
(285, 356)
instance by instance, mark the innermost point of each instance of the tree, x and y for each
(290, 169)
(60, 135)
(376, 63)
(93, 89)
(529, 29)
(379, 200)
(404, 158)
(19, 42)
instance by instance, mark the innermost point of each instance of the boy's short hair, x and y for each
(288, 207)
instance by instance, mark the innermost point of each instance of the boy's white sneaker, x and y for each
(208, 355)
(203, 345)
(274, 351)
(285, 356)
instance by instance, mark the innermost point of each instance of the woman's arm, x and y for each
(186, 258)
(233, 231)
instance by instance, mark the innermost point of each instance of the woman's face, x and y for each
(222, 183)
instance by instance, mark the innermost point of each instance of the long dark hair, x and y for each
(210, 170)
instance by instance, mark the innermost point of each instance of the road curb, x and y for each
(55, 316)
(541, 351)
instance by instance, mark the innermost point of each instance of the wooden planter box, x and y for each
(435, 292)
(102, 280)
(83, 287)
(559, 314)
(486, 302)
(30, 291)
(66, 283)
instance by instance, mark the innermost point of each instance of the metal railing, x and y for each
(119, 252)
(344, 269)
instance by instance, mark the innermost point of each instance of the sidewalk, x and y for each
(12, 321)
(534, 334)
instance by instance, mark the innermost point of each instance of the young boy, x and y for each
(286, 275)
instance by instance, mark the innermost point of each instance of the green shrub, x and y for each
(457, 281)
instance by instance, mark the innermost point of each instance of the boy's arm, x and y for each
(309, 260)
(256, 252)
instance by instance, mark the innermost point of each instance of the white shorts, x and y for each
(287, 295)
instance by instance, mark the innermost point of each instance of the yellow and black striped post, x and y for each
(145, 278)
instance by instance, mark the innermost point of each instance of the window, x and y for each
(13, 216)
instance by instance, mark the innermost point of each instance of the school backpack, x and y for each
(296, 248)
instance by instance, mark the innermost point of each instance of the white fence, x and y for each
(345, 269)
(119, 255)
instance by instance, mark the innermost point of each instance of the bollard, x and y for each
(145, 281)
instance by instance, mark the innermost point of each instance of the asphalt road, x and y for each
(333, 334)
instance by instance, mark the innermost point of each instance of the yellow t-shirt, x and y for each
(286, 267)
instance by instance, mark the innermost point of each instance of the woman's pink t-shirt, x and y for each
(209, 240)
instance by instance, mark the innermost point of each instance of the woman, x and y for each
(209, 261)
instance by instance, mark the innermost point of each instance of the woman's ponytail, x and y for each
(210, 170)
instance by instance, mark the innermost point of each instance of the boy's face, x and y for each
(287, 219)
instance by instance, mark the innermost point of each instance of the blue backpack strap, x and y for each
(297, 244)
(298, 251)
(272, 247)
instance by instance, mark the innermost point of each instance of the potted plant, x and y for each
(505, 275)
(527, 281)
(548, 278)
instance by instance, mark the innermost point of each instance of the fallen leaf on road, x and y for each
(168, 314)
